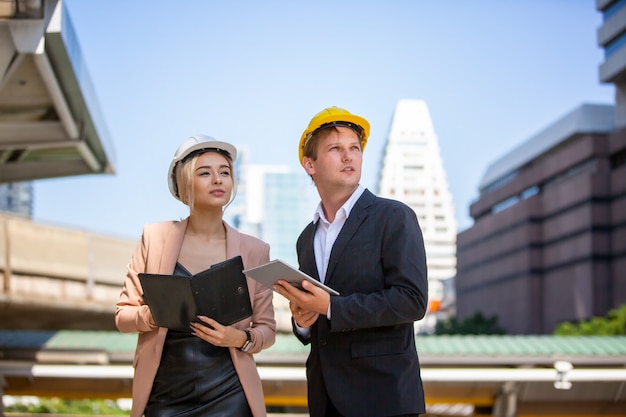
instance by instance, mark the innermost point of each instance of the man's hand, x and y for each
(305, 305)
(304, 318)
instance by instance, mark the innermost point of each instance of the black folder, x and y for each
(220, 292)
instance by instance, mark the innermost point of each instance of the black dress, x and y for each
(195, 379)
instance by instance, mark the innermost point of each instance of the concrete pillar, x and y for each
(506, 402)
(3, 384)
(620, 104)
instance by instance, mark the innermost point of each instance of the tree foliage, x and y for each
(65, 406)
(476, 324)
(613, 324)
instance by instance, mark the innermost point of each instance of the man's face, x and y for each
(339, 160)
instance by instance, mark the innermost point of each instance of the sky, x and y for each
(492, 72)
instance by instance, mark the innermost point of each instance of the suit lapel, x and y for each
(233, 242)
(308, 263)
(171, 246)
(358, 214)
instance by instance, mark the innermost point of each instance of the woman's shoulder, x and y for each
(161, 226)
(245, 238)
(251, 240)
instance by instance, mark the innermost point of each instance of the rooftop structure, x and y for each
(50, 120)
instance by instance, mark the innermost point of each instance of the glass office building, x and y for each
(17, 198)
(275, 204)
(612, 39)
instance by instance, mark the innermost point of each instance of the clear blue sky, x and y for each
(493, 74)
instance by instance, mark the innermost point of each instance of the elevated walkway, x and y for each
(54, 278)
(50, 121)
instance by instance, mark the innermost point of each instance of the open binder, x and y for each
(220, 292)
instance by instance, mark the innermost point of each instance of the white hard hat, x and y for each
(197, 143)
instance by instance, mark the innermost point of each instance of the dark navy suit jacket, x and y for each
(365, 358)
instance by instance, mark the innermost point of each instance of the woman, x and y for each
(208, 370)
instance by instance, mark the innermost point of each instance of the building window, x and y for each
(613, 9)
(503, 205)
(615, 45)
(500, 183)
(585, 166)
(529, 192)
(619, 159)
(536, 189)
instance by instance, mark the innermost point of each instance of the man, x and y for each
(363, 360)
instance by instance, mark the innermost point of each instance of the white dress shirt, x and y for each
(325, 236)
(327, 232)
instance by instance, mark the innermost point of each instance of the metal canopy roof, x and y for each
(50, 123)
(542, 375)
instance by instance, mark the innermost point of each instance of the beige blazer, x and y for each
(157, 252)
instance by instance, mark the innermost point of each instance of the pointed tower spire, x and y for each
(412, 172)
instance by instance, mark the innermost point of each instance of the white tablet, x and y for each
(267, 274)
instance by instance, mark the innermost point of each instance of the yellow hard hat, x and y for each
(335, 116)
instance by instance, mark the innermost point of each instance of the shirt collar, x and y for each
(347, 206)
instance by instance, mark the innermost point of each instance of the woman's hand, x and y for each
(218, 335)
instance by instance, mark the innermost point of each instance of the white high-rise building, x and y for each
(412, 172)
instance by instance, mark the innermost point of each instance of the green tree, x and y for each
(70, 407)
(476, 324)
(613, 324)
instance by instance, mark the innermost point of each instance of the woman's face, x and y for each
(212, 180)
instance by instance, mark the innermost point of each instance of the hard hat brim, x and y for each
(329, 120)
(207, 143)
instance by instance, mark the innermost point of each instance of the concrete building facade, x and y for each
(549, 240)
(612, 39)
(548, 244)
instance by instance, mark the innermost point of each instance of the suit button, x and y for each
(323, 342)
